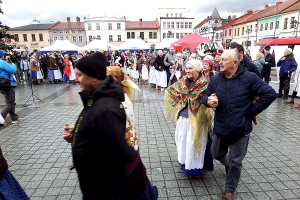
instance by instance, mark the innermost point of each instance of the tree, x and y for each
(5, 37)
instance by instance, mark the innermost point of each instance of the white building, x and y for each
(109, 29)
(174, 23)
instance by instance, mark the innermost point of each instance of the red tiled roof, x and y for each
(201, 23)
(281, 8)
(293, 7)
(256, 15)
(142, 24)
(235, 20)
(67, 25)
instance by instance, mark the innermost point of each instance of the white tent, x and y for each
(99, 45)
(166, 42)
(61, 45)
(134, 44)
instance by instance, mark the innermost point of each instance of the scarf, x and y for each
(189, 94)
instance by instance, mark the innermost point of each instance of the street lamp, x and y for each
(248, 31)
(295, 25)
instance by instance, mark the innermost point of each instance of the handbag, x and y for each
(4, 84)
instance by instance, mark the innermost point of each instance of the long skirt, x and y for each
(72, 75)
(54, 75)
(161, 78)
(191, 164)
(11, 189)
(145, 73)
(152, 78)
(36, 75)
(135, 73)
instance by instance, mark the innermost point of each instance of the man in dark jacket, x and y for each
(99, 148)
(269, 63)
(245, 61)
(231, 93)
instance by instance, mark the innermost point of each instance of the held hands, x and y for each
(212, 100)
(283, 58)
(68, 132)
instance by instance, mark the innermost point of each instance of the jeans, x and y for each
(232, 159)
(10, 105)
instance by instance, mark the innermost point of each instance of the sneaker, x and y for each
(14, 122)
(297, 105)
(279, 95)
(228, 196)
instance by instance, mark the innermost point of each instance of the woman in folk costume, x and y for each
(150, 63)
(135, 75)
(35, 70)
(69, 73)
(54, 73)
(160, 72)
(139, 185)
(144, 68)
(182, 100)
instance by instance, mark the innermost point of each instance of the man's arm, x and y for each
(165, 61)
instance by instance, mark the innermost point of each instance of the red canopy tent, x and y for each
(191, 41)
(279, 41)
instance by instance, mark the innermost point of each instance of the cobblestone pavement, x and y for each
(39, 158)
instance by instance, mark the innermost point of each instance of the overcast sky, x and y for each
(20, 13)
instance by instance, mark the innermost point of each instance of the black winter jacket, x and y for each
(233, 115)
(99, 148)
(270, 59)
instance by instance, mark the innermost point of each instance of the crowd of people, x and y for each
(214, 98)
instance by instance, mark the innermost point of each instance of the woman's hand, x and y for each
(68, 132)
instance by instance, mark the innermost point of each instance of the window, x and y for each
(25, 37)
(66, 31)
(180, 15)
(97, 26)
(266, 26)
(79, 38)
(256, 27)
(271, 25)
(176, 15)
(54, 31)
(243, 30)
(164, 35)
(118, 25)
(251, 28)
(109, 26)
(167, 14)
(186, 25)
(73, 31)
(110, 38)
(177, 35)
(98, 37)
(168, 25)
(277, 24)
(225, 32)
(172, 25)
(164, 25)
(78, 31)
(190, 25)
(142, 35)
(67, 37)
(133, 35)
(230, 30)
(150, 35)
(55, 38)
(285, 23)
(119, 38)
(90, 38)
(177, 25)
(154, 35)
(261, 27)
(74, 39)
(181, 24)
(171, 14)
(61, 37)
(235, 32)
(33, 37)
(181, 35)
(89, 27)
(128, 35)
(292, 22)
(61, 31)
(238, 33)
(16, 37)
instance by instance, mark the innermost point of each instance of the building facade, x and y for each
(145, 30)
(31, 37)
(174, 23)
(105, 28)
(72, 31)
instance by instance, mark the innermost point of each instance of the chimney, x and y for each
(266, 6)
(68, 19)
(249, 12)
(77, 19)
(278, 3)
(141, 19)
(233, 17)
